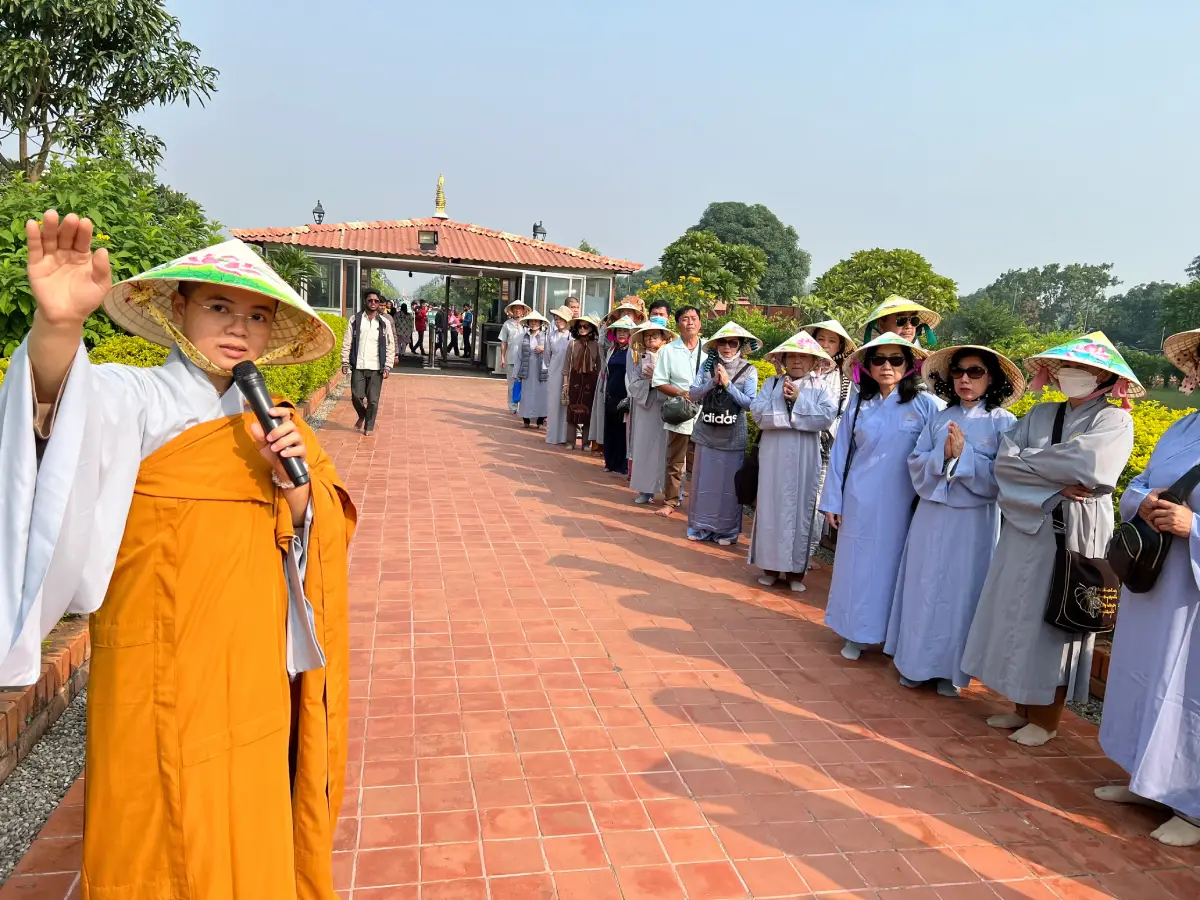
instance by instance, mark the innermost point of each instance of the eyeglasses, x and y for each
(729, 342)
(221, 312)
(896, 362)
(914, 321)
(975, 373)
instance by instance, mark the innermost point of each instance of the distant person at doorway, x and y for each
(573, 306)
(455, 327)
(368, 354)
(439, 328)
(468, 325)
(404, 329)
(422, 322)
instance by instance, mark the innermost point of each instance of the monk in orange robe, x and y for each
(218, 695)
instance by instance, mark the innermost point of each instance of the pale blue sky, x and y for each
(984, 136)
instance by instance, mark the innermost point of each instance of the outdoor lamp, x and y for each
(539, 233)
(318, 213)
(427, 241)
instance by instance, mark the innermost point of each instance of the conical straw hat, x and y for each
(836, 327)
(623, 309)
(535, 316)
(654, 323)
(1094, 350)
(564, 313)
(800, 342)
(143, 305)
(585, 320)
(733, 329)
(938, 366)
(897, 304)
(888, 339)
(625, 323)
(1181, 351)
(520, 303)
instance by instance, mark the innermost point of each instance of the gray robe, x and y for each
(1151, 725)
(532, 373)
(556, 413)
(789, 472)
(647, 437)
(596, 423)
(1009, 647)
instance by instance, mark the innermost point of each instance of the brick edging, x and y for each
(317, 397)
(26, 712)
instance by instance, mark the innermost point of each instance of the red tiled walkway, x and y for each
(555, 695)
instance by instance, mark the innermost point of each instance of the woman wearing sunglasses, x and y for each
(1010, 647)
(901, 316)
(868, 494)
(954, 530)
(724, 387)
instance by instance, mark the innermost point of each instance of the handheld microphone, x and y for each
(250, 382)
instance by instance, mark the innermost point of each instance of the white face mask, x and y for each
(1075, 382)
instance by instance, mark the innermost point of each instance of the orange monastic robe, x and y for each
(188, 794)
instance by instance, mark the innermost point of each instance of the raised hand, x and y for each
(68, 280)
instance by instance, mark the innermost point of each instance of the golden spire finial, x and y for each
(439, 200)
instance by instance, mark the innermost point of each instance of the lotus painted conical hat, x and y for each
(1181, 349)
(564, 313)
(800, 342)
(143, 305)
(654, 323)
(887, 339)
(896, 304)
(733, 329)
(938, 366)
(535, 316)
(624, 323)
(1094, 350)
(836, 327)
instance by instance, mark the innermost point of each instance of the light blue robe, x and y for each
(1151, 725)
(1010, 648)
(875, 506)
(62, 518)
(950, 544)
(789, 472)
(556, 413)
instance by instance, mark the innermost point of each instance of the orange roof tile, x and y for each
(457, 241)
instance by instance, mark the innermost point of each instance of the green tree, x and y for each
(627, 285)
(755, 225)
(380, 282)
(1054, 296)
(981, 321)
(685, 291)
(585, 247)
(73, 75)
(855, 286)
(728, 271)
(1180, 309)
(1134, 318)
(294, 266)
(1022, 344)
(1193, 269)
(130, 218)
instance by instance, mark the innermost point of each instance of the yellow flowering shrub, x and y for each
(1150, 420)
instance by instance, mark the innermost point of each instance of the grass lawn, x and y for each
(1172, 398)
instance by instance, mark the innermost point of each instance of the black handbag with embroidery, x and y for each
(1083, 591)
(1136, 551)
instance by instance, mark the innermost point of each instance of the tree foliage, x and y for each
(756, 226)
(979, 320)
(852, 288)
(462, 292)
(685, 291)
(1180, 308)
(1134, 318)
(294, 266)
(1054, 296)
(1193, 269)
(143, 224)
(74, 73)
(585, 247)
(628, 285)
(380, 282)
(727, 271)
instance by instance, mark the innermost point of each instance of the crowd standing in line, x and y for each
(940, 506)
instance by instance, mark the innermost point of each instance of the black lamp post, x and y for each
(318, 213)
(539, 233)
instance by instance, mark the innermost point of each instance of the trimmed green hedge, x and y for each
(296, 383)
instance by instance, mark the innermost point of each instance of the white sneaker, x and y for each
(852, 650)
(1007, 720)
(766, 580)
(725, 542)
(797, 586)
(1032, 735)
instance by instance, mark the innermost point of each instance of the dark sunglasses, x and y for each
(896, 362)
(975, 373)
(914, 321)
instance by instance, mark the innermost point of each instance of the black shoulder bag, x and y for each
(829, 535)
(1136, 551)
(745, 479)
(1083, 591)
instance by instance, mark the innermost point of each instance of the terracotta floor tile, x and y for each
(466, 889)
(515, 857)
(449, 827)
(620, 816)
(511, 822)
(686, 845)
(386, 867)
(634, 848)
(771, 877)
(522, 887)
(571, 818)
(591, 885)
(578, 852)
(649, 883)
(389, 831)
